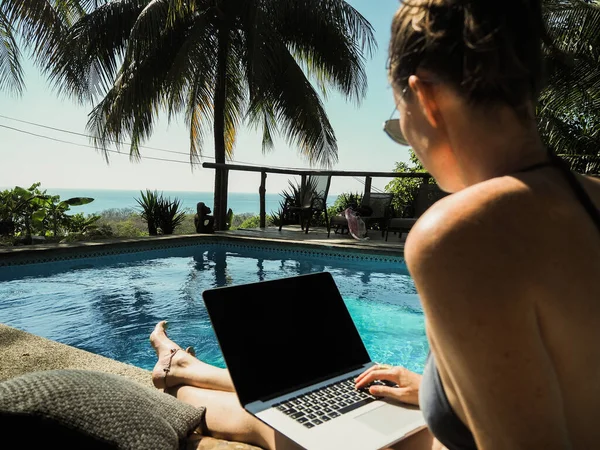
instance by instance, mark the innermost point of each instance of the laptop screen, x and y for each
(281, 335)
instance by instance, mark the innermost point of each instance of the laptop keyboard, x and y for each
(323, 404)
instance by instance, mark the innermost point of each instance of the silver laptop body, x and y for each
(293, 351)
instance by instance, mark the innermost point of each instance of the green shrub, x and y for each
(344, 201)
(187, 225)
(123, 222)
(239, 219)
(254, 222)
(33, 212)
(79, 223)
(129, 228)
(405, 189)
(117, 214)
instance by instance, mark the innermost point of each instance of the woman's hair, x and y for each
(490, 51)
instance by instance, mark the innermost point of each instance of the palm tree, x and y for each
(569, 108)
(219, 63)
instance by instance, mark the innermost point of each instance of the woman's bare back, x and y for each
(559, 250)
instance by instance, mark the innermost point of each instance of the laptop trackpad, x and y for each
(386, 419)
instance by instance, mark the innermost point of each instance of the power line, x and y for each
(141, 157)
(61, 130)
(361, 181)
(89, 146)
(89, 136)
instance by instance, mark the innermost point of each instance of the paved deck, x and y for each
(318, 236)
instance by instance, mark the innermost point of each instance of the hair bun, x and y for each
(489, 50)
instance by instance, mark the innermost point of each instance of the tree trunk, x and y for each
(220, 206)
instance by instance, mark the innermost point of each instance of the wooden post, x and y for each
(262, 191)
(224, 194)
(367, 194)
(303, 185)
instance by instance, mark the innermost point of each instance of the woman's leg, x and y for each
(202, 385)
(226, 419)
(182, 367)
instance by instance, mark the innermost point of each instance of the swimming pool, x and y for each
(109, 304)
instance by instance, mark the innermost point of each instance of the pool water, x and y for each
(109, 305)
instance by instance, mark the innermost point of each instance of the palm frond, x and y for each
(299, 111)
(332, 50)
(93, 50)
(236, 97)
(199, 111)
(41, 24)
(11, 71)
(569, 106)
(132, 105)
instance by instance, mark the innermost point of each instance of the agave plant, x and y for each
(169, 215)
(296, 195)
(160, 213)
(149, 202)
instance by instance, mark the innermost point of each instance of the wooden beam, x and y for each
(262, 191)
(335, 173)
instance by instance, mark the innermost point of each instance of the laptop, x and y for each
(293, 352)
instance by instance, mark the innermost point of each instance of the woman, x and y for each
(505, 267)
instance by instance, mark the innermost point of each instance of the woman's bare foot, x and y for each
(169, 357)
(178, 367)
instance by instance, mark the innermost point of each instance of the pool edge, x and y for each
(11, 256)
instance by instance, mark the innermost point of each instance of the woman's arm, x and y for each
(472, 271)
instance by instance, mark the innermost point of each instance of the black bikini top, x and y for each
(578, 189)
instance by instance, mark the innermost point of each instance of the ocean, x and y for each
(108, 199)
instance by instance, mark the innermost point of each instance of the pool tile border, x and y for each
(48, 254)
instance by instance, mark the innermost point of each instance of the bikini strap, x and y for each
(578, 189)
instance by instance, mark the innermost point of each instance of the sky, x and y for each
(25, 159)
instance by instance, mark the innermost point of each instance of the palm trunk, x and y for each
(220, 206)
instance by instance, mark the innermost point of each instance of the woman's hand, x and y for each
(406, 383)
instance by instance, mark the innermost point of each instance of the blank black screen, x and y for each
(285, 334)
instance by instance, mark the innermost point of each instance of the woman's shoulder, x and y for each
(493, 203)
(495, 217)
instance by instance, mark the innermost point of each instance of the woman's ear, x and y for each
(425, 94)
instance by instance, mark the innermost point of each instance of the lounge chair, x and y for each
(427, 195)
(313, 201)
(379, 205)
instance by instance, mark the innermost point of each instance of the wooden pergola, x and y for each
(304, 174)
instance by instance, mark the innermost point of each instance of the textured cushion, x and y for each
(93, 410)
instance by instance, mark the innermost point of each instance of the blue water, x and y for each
(109, 305)
(108, 199)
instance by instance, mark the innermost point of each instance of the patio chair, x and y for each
(379, 207)
(313, 201)
(427, 195)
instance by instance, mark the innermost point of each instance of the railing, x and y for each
(306, 173)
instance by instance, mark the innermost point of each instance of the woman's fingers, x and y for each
(377, 374)
(365, 373)
(372, 369)
(404, 395)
